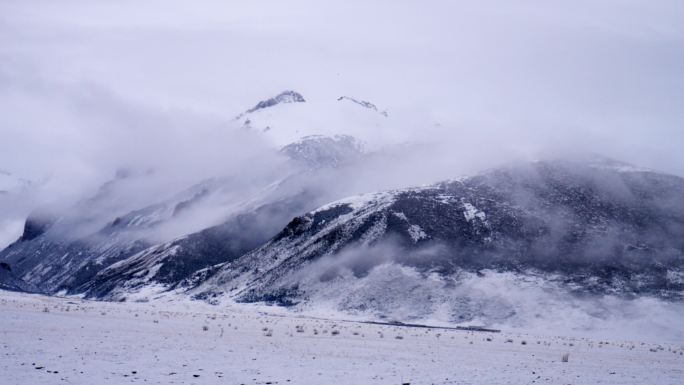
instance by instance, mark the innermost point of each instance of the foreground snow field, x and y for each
(49, 340)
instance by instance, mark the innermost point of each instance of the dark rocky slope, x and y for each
(595, 227)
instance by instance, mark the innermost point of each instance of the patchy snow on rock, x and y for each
(471, 213)
(416, 233)
(357, 202)
(400, 215)
(374, 232)
(284, 97)
(675, 276)
(364, 104)
(445, 198)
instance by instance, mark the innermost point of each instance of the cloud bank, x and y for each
(88, 88)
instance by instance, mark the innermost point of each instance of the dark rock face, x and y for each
(36, 225)
(598, 227)
(8, 281)
(54, 264)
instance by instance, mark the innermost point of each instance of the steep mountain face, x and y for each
(57, 251)
(8, 281)
(36, 225)
(53, 263)
(121, 257)
(588, 227)
(174, 265)
(64, 251)
(166, 266)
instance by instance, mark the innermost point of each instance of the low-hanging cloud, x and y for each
(87, 88)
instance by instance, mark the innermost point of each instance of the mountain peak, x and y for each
(363, 103)
(284, 97)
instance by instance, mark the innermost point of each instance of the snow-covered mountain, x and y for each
(171, 264)
(454, 251)
(68, 250)
(585, 227)
(163, 267)
(288, 117)
(282, 98)
(222, 219)
(582, 227)
(63, 249)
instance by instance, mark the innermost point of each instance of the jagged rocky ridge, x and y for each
(282, 98)
(364, 104)
(591, 227)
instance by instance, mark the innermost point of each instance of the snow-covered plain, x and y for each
(50, 340)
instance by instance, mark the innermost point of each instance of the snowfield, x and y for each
(50, 340)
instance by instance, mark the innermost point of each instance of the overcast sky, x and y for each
(89, 86)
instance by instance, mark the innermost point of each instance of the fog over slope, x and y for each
(156, 82)
(145, 129)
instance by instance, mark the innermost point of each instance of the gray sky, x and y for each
(89, 86)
